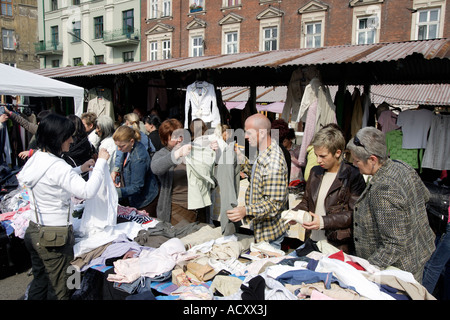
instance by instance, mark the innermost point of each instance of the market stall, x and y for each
(24, 83)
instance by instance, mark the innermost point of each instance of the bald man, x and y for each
(267, 194)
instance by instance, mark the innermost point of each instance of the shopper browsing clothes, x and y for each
(138, 185)
(331, 192)
(267, 194)
(51, 182)
(171, 170)
(391, 226)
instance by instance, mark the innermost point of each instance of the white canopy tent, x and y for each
(15, 81)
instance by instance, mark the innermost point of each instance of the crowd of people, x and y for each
(382, 219)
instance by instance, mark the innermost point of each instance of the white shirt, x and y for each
(415, 125)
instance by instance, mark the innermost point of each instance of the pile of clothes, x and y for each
(139, 257)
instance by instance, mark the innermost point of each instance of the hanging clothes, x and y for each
(100, 102)
(415, 125)
(200, 175)
(318, 110)
(157, 95)
(394, 141)
(201, 102)
(388, 121)
(293, 96)
(437, 153)
(357, 112)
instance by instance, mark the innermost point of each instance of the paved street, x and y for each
(14, 287)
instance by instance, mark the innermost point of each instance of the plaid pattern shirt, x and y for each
(267, 194)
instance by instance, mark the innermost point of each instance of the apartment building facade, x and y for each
(84, 32)
(18, 23)
(172, 29)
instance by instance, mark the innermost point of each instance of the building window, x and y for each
(54, 5)
(196, 5)
(197, 46)
(99, 59)
(54, 36)
(270, 38)
(231, 42)
(166, 52)
(128, 21)
(428, 24)
(154, 50)
(366, 30)
(77, 61)
(128, 56)
(6, 6)
(76, 31)
(8, 39)
(55, 63)
(313, 37)
(98, 27)
(160, 8)
(76, 2)
(231, 3)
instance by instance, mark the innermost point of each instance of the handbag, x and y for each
(49, 236)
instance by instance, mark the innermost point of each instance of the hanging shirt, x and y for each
(415, 125)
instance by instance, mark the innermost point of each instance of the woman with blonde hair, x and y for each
(138, 187)
(132, 120)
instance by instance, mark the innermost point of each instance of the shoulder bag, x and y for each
(49, 236)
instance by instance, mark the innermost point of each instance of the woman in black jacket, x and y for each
(81, 150)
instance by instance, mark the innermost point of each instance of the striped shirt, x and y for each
(267, 193)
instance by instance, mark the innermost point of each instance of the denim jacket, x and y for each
(140, 184)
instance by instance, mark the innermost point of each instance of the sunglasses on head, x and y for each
(357, 142)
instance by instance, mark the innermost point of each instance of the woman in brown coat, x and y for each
(331, 191)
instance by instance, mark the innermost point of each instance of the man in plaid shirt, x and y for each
(267, 194)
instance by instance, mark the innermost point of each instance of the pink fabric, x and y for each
(308, 133)
(9, 215)
(316, 295)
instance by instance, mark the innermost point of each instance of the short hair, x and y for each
(52, 131)
(372, 142)
(329, 137)
(126, 133)
(89, 118)
(106, 125)
(194, 125)
(153, 120)
(283, 128)
(167, 128)
(133, 119)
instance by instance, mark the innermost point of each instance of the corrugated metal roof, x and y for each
(395, 94)
(355, 54)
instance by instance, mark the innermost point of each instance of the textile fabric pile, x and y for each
(195, 261)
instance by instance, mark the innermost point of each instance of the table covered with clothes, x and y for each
(195, 261)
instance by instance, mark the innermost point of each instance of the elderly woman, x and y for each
(331, 191)
(52, 182)
(168, 165)
(105, 129)
(138, 186)
(390, 222)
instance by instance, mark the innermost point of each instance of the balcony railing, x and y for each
(48, 48)
(121, 37)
